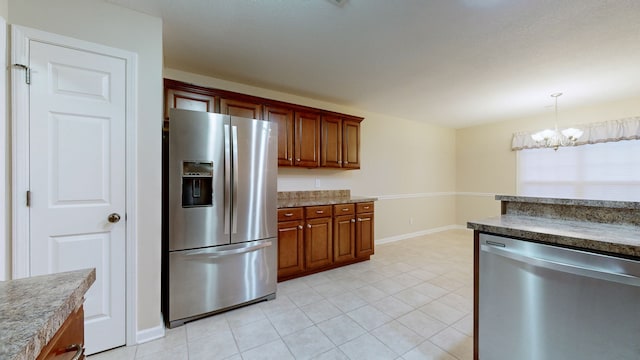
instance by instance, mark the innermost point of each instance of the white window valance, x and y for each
(607, 131)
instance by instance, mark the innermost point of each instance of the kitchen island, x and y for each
(591, 230)
(33, 310)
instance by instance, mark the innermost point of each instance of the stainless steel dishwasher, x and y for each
(542, 302)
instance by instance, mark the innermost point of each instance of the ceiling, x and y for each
(448, 62)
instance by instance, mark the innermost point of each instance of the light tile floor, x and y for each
(412, 300)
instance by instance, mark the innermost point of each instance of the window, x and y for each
(605, 171)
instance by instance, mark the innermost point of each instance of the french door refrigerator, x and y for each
(220, 215)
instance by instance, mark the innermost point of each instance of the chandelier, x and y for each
(555, 138)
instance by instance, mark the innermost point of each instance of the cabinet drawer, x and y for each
(287, 214)
(344, 209)
(364, 207)
(312, 212)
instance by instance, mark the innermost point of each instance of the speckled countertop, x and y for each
(288, 199)
(599, 225)
(33, 309)
(609, 238)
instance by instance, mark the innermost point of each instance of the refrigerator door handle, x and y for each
(234, 196)
(227, 178)
(217, 254)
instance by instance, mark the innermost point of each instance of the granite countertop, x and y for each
(612, 204)
(617, 239)
(287, 203)
(287, 199)
(33, 309)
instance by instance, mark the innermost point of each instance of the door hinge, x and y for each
(27, 72)
(28, 198)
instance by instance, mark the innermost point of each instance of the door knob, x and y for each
(113, 218)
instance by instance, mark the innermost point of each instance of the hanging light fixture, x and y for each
(555, 138)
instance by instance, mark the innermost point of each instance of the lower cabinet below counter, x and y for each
(68, 342)
(318, 238)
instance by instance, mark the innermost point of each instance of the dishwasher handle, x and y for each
(595, 273)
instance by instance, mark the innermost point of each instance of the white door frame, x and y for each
(5, 272)
(20, 37)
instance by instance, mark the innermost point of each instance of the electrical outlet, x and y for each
(411, 221)
(317, 183)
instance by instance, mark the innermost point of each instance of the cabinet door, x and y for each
(284, 118)
(350, 144)
(331, 142)
(364, 235)
(317, 243)
(344, 238)
(240, 108)
(181, 99)
(290, 248)
(307, 139)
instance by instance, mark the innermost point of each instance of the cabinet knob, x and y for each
(300, 227)
(346, 162)
(290, 159)
(309, 226)
(298, 159)
(353, 220)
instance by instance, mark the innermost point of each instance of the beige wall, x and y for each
(106, 24)
(410, 166)
(486, 165)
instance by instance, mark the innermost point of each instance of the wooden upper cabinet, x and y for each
(351, 144)
(340, 142)
(331, 142)
(284, 118)
(307, 139)
(183, 99)
(241, 108)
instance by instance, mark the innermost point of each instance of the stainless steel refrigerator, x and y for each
(219, 216)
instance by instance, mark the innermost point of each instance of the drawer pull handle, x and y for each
(366, 208)
(288, 214)
(77, 348)
(345, 209)
(319, 211)
(364, 219)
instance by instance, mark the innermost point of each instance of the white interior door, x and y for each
(77, 178)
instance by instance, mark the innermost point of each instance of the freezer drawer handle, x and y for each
(231, 252)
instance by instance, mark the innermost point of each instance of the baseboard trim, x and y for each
(418, 233)
(150, 334)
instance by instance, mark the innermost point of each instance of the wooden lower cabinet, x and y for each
(318, 243)
(68, 342)
(290, 248)
(364, 230)
(318, 238)
(344, 233)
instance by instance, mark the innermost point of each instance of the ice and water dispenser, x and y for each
(197, 183)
